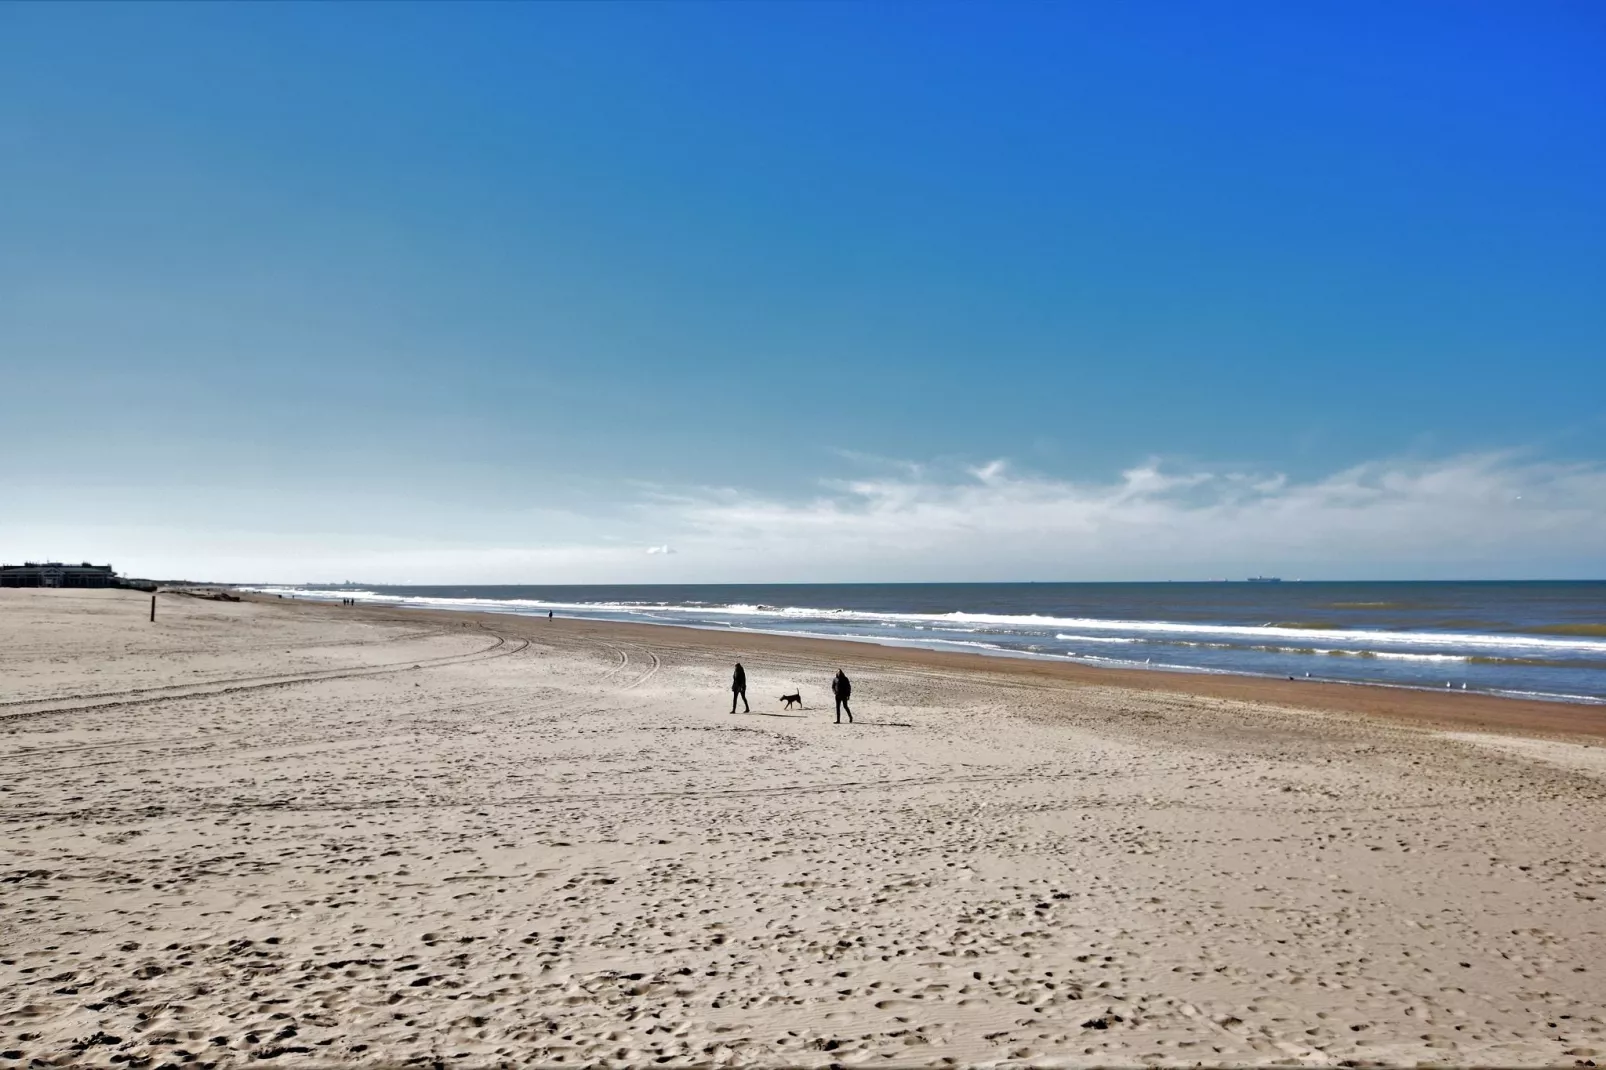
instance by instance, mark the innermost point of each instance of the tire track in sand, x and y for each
(500, 648)
(624, 662)
(657, 663)
(131, 692)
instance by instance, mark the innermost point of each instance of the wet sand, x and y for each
(324, 835)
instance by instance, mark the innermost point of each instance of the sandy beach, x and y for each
(323, 835)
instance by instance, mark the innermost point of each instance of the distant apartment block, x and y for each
(56, 574)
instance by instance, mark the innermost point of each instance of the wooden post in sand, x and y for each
(153, 608)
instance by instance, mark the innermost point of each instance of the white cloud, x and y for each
(1482, 514)
(1485, 515)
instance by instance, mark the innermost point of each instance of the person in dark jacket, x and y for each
(842, 687)
(739, 688)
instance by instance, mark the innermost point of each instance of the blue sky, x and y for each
(513, 293)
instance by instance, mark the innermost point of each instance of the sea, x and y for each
(1539, 640)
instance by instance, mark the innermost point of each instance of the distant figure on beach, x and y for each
(842, 687)
(739, 689)
(549, 614)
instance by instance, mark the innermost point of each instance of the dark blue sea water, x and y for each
(1534, 640)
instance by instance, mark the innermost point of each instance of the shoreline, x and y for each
(1451, 710)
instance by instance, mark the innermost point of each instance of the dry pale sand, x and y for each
(329, 836)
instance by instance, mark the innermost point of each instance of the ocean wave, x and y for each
(1037, 622)
(1097, 638)
(981, 622)
(1550, 696)
(1395, 655)
(1570, 629)
(1367, 638)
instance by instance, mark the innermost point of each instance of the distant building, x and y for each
(56, 574)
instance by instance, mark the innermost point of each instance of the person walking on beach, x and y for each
(739, 689)
(842, 687)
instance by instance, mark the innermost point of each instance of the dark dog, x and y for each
(795, 698)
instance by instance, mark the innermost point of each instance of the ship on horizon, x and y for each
(1264, 579)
